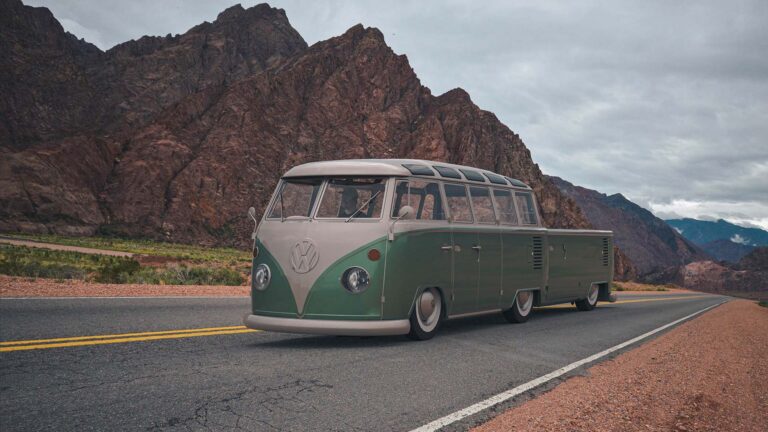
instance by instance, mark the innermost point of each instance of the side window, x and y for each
(505, 206)
(482, 204)
(423, 196)
(458, 202)
(524, 203)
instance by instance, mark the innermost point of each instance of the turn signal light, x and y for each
(374, 254)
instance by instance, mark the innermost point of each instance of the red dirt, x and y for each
(709, 374)
(60, 247)
(25, 287)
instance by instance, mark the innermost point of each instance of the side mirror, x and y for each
(252, 214)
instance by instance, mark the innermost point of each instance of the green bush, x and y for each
(36, 262)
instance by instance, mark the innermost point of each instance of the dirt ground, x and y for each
(25, 287)
(53, 246)
(709, 374)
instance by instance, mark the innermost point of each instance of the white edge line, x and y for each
(509, 394)
(124, 297)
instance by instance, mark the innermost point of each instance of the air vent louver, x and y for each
(536, 253)
(606, 256)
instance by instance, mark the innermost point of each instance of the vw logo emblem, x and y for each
(304, 256)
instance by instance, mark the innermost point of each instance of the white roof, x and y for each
(369, 167)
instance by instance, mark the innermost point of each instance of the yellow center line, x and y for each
(124, 340)
(34, 344)
(628, 301)
(118, 335)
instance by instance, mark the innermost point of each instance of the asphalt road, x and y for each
(270, 381)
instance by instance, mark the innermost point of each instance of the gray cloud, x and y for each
(664, 102)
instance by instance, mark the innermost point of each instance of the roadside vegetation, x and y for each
(143, 247)
(763, 303)
(44, 263)
(634, 286)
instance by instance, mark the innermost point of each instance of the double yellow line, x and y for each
(33, 344)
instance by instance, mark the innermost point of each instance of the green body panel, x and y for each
(470, 281)
(415, 260)
(465, 270)
(518, 270)
(575, 262)
(277, 300)
(329, 300)
(489, 274)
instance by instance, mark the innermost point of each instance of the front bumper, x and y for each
(328, 327)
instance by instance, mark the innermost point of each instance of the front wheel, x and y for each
(590, 302)
(521, 310)
(427, 315)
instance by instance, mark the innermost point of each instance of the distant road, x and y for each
(144, 364)
(54, 246)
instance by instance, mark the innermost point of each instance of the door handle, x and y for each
(477, 247)
(446, 248)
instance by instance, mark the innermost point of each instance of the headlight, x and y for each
(261, 277)
(355, 280)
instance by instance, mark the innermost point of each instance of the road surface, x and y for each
(168, 375)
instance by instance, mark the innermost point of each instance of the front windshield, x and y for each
(358, 198)
(296, 198)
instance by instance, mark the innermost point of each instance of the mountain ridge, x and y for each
(208, 126)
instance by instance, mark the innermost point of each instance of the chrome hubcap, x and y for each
(524, 302)
(593, 291)
(428, 309)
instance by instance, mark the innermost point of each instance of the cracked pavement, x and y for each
(269, 381)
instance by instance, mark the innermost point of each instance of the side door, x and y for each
(420, 254)
(488, 248)
(465, 262)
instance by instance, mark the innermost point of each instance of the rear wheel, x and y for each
(427, 315)
(521, 310)
(590, 302)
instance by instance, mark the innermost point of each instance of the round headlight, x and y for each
(261, 277)
(355, 280)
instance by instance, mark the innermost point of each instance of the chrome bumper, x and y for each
(328, 327)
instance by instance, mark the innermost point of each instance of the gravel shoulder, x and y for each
(25, 287)
(708, 374)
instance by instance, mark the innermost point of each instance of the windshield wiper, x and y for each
(362, 206)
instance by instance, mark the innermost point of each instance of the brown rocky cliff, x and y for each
(190, 175)
(72, 107)
(192, 147)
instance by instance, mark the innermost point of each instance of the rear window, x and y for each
(296, 197)
(359, 198)
(422, 196)
(524, 203)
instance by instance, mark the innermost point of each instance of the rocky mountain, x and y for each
(653, 247)
(721, 239)
(727, 250)
(174, 137)
(748, 278)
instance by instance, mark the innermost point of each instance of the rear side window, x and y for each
(505, 206)
(422, 196)
(524, 203)
(482, 204)
(458, 203)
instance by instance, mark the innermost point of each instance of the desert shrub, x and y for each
(116, 270)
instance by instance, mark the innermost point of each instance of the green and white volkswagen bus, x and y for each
(388, 247)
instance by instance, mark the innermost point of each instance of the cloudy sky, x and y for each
(662, 101)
